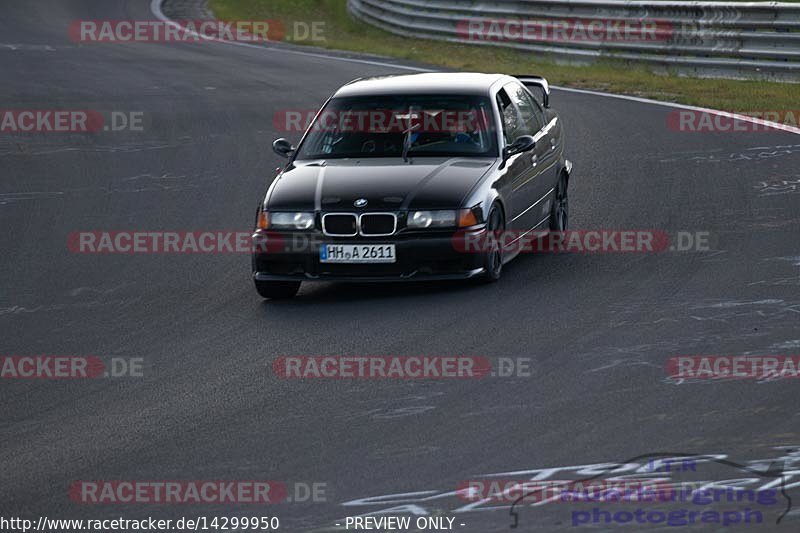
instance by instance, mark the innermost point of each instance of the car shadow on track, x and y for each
(323, 292)
(330, 292)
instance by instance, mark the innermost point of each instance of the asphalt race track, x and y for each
(598, 328)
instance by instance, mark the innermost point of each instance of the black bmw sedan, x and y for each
(394, 171)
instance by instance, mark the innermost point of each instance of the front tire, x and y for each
(559, 212)
(277, 290)
(493, 258)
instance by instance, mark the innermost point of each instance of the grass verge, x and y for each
(342, 32)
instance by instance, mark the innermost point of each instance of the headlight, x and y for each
(431, 219)
(291, 221)
(441, 219)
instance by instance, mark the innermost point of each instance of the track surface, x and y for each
(598, 327)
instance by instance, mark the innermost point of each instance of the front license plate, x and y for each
(357, 253)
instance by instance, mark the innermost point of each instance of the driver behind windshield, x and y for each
(402, 126)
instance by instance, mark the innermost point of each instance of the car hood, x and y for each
(385, 183)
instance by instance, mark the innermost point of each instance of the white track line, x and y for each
(155, 8)
(726, 114)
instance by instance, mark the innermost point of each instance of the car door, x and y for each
(550, 138)
(531, 194)
(517, 167)
(548, 151)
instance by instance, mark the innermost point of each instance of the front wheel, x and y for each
(277, 290)
(559, 212)
(493, 258)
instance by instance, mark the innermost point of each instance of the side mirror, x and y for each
(522, 144)
(283, 148)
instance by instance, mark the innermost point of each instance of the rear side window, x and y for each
(513, 125)
(528, 108)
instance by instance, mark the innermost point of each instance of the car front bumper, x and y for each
(420, 256)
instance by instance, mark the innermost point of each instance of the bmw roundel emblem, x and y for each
(361, 202)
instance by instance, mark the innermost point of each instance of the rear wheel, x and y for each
(493, 258)
(277, 290)
(559, 212)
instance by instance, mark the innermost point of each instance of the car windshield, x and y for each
(402, 126)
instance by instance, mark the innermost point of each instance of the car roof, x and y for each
(425, 83)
